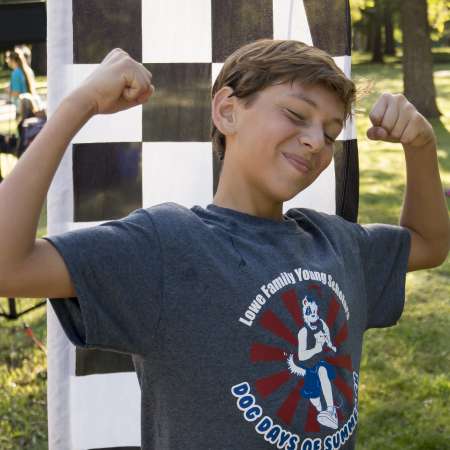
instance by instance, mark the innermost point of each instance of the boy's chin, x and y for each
(289, 194)
(284, 197)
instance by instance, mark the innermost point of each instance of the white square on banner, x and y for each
(176, 31)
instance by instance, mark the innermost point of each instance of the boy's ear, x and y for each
(224, 111)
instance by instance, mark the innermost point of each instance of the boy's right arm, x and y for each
(30, 267)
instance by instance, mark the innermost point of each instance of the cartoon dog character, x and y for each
(312, 338)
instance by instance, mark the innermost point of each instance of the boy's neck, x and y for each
(237, 190)
(248, 204)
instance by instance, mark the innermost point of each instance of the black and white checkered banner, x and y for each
(158, 152)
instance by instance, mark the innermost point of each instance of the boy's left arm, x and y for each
(424, 210)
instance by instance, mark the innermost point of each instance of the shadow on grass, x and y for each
(381, 177)
(384, 203)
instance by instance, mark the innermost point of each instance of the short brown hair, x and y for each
(266, 62)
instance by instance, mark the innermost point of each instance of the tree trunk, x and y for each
(367, 30)
(377, 40)
(389, 42)
(417, 59)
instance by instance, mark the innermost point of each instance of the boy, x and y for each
(245, 325)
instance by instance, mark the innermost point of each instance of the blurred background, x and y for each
(398, 46)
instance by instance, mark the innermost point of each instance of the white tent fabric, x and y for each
(100, 407)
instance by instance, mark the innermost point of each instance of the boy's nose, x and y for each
(314, 140)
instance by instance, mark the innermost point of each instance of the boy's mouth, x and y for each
(298, 162)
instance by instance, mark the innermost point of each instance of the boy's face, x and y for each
(284, 140)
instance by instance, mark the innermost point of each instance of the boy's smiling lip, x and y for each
(301, 164)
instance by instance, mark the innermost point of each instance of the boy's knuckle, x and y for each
(409, 107)
(373, 115)
(406, 140)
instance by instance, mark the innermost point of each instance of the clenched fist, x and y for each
(394, 119)
(117, 84)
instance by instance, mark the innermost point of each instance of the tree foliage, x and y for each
(363, 16)
(438, 17)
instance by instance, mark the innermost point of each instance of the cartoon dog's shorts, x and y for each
(311, 387)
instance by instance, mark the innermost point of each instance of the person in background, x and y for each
(26, 52)
(22, 79)
(30, 110)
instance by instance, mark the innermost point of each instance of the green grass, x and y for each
(404, 385)
(23, 375)
(23, 365)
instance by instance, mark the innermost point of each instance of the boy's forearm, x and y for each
(425, 209)
(23, 192)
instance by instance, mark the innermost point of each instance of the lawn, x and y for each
(404, 386)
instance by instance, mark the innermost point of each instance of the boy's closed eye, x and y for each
(299, 119)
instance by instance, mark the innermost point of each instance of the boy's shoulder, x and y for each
(171, 215)
(341, 233)
(323, 220)
(168, 212)
(172, 218)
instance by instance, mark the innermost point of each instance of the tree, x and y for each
(389, 41)
(376, 32)
(374, 20)
(417, 58)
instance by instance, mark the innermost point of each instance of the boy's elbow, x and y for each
(426, 253)
(442, 256)
(439, 252)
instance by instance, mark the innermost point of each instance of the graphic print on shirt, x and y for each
(306, 396)
(312, 337)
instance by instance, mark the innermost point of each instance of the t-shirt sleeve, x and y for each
(117, 271)
(384, 261)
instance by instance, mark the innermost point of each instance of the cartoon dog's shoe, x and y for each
(328, 418)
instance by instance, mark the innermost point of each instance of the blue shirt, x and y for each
(18, 81)
(209, 302)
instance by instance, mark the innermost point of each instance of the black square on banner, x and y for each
(180, 108)
(101, 25)
(95, 361)
(238, 22)
(329, 24)
(107, 179)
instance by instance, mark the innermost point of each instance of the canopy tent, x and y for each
(158, 152)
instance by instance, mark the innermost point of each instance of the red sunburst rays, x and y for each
(292, 304)
(262, 352)
(267, 385)
(311, 425)
(288, 407)
(271, 322)
(341, 336)
(333, 310)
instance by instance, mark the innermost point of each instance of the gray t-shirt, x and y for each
(246, 333)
